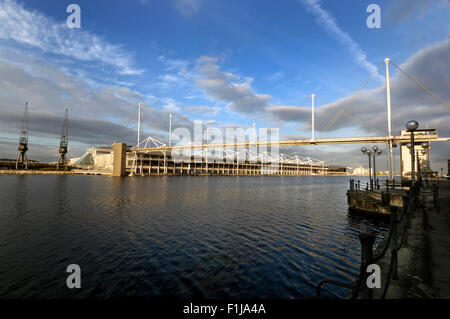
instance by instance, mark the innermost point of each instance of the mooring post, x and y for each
(406, 209)
(406, 219)
(412, 202)
(385, 199)
(394, 241)
(436, 197)
(367, 240)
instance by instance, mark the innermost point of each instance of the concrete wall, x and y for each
(120, 156)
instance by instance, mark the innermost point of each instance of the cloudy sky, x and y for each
(227, 63)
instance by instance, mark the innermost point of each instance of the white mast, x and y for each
(388, 101)
(139, 126)
(312, 116)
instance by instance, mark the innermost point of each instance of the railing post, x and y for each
(394, 240)
(367, 240)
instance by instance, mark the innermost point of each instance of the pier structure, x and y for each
(152, 157)
(154, 162)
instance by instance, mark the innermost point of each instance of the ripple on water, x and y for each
(210, 237)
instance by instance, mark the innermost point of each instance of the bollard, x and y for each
(406, 219)
(394, 241)
(436, 197)
(412, 202)
(385, 199)
(405, 199)
(367, 241)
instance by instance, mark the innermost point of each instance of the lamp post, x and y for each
(372, 153)
(425, 152)
(364, 150)
(376, 152)
(411, 126)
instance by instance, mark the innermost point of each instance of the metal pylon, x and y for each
(23, 140)
(64, 143)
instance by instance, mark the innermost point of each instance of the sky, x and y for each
(226, 63)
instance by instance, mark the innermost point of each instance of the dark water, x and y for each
(211, 237)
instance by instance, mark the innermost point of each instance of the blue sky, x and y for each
(225, 62)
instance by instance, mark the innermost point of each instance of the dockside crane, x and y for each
(23, 141)
(64, 143)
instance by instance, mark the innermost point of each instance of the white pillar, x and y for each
(254, 132)
(139, 126)
(312, 116)
(388, 102)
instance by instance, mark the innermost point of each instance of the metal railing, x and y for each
(359, 288)
(373, 184)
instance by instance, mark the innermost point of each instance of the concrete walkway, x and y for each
(423, 264)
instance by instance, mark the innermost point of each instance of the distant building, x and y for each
(98, 157)
(360, 171)
(405, 154)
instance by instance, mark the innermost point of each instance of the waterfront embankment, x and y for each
(424, 260)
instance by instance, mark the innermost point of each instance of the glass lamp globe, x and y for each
(379, 152)
(423, 152)
(425, 145)
(408, 145)
(375, 148)
(412, 125)
(364, 150)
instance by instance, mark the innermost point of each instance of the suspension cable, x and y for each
(421, 85)
(354, 119)
(128, 123)
(331, 122)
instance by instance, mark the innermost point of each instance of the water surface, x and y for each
(206, 237)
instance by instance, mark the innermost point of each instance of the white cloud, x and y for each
(367, 110)
(188, 7)
(203, 110)
(35, 30)
(276, 76)
(97, 115)
(327, 22)
(225, 87)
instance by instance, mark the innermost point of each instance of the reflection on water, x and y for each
(238, 237)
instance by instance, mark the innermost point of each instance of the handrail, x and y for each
(367, 240)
